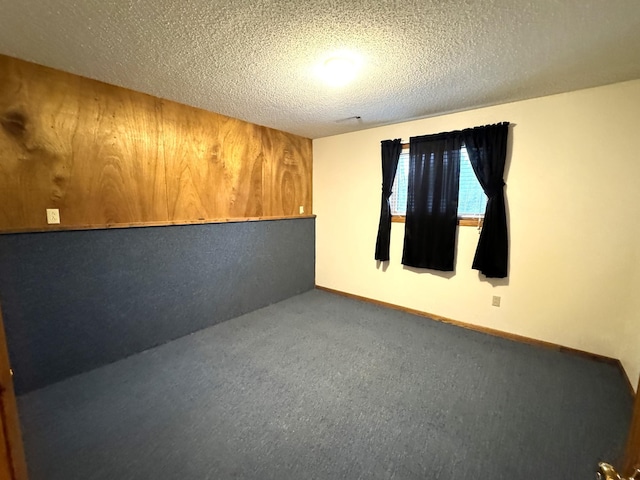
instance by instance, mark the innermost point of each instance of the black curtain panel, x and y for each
(487, 149)
(432, 203)
(391, 150)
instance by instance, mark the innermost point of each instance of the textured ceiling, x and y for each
(255, 59)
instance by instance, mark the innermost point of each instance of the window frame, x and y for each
(462, 221)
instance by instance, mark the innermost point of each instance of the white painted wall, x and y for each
(630, 354)
(573, 194)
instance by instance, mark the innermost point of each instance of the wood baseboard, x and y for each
(491, 331)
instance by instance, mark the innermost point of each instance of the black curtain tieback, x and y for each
(494, 190)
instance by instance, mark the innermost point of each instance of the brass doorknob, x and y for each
(607, 472)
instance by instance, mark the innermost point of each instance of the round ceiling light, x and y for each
(339, 69)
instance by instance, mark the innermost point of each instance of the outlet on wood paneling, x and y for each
(104, 155)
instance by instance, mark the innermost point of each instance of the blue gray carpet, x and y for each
(323, 387)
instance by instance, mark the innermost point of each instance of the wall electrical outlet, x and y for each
(301, 209)
(495, 301)
(53, 215)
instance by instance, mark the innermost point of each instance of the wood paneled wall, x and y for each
(107, 156)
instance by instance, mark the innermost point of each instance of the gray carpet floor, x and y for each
(324, 387)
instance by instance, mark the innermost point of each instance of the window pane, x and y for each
(472, 201)
(398, 198)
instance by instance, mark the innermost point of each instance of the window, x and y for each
(471, 198)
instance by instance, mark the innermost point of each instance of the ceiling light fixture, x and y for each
(339, 69)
